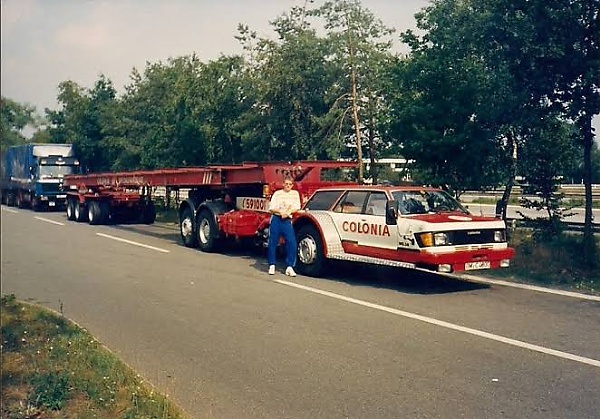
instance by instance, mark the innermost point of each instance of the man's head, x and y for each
(288, 182)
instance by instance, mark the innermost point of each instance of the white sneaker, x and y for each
(271, 269)
(290, 271)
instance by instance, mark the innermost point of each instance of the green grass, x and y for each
(52, 368)
(556, 263)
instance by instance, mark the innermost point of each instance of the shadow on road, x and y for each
(407, 281)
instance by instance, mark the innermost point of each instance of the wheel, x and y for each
(207, 232)
(35, 204)
(104, 212)
(79, 212)
(71, 209)
(19, 201)
(148, 215)
(188, 229)
(94, 213)
(311, 257)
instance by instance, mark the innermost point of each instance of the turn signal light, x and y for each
(266, 192)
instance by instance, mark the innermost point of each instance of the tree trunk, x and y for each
(503, 204)
(589, 244)
(371, 138)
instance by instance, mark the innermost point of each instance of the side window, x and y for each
(322, 200)
(352, 203)
(376, 204)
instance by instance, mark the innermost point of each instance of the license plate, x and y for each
(484, 264)
(51, 203)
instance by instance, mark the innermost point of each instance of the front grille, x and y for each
(471, 237)
(48, 188)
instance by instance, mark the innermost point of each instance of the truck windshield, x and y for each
(424, 202)
(56, 171)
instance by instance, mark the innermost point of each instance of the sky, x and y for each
(46, 42)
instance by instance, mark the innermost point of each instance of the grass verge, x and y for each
(556, 263)
(51, 368)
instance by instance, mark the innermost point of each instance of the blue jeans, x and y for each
(278, 228)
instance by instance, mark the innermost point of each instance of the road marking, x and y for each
(49, 221)
(10, 210)
(531, 288)
(158, 249)
(430, 320)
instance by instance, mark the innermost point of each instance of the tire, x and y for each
(19, 201)
(95, 213)
(104, 212)
(207, 232)
(79, 212)
(187, 228)
(311, 259)
(148, 215)
(71, 209)
(35, 204)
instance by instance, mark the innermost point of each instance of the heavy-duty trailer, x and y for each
(411, 227)
(224, 201)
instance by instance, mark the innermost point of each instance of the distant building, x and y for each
(398, 165)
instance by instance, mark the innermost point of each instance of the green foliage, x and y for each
(14, 118)
(50, 390)
(558, 262)
(52, 368)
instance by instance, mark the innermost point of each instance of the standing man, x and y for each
(284, 203)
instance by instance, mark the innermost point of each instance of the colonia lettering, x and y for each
(366, 228)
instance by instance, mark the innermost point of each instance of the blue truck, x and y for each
(32, 175)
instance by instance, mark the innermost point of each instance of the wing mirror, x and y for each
(391, 212)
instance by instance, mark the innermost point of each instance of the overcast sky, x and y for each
(46, 42)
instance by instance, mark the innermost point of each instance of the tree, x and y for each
(360, 47)
(85, 119)
(15, 117)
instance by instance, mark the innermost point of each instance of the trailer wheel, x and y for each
(19, 200)
(95, 213)
(148, 215)
(207, 232)
(70, 209)
(311, 257)
(79, 212)
(187, 228)
(104, 212)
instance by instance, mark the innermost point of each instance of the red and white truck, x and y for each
(409, 227)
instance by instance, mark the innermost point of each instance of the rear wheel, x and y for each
(187, 228)
(71, 209)
(207, 232)
(79, 212)
(311, 256)
(95, 213)
(148, 215)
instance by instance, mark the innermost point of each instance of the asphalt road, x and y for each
(225, 340)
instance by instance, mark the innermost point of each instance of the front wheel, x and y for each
(207, 232)
(187, 228)
(311, 256)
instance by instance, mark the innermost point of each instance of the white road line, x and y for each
(158, 249)
(10, 210)
(491, 336)
(531, 287)
(49, 221)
